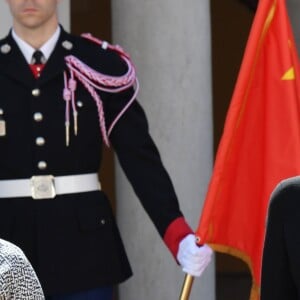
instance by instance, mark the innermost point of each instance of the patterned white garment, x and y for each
(18, 280)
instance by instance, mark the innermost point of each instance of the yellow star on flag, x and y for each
(289, 74)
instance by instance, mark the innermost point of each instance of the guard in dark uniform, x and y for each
(58, 106)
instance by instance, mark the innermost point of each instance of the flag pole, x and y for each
(186, 287)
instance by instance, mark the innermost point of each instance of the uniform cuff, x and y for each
(175, 232)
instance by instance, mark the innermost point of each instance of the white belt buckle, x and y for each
(42, 187)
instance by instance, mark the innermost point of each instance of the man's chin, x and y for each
(30, 22)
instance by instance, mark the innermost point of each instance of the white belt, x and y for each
(48, 186)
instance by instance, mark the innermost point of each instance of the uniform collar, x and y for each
(13, 63)
(27, 50)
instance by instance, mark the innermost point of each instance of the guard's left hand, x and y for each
(193, 258)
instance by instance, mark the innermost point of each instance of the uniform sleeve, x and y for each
(277, 282)
(141, 162)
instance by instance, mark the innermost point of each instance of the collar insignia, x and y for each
(67, 45)
(5, 48)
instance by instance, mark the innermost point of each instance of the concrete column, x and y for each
(169, 42)
(6, 21)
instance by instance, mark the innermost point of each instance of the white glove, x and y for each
(193, 258)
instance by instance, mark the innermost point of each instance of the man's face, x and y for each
(32, 14)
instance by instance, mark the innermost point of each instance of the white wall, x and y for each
(169, 43)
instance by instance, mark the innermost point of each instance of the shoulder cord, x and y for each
(93, 80)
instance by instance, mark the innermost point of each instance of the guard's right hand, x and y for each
(193, 258)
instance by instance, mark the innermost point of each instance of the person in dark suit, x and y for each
(281, 259)
(62, 98)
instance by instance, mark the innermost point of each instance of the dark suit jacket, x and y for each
(64, 238)
(281, 256)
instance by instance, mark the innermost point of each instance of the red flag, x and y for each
(260, 145)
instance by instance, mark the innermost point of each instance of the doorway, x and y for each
(231, 21)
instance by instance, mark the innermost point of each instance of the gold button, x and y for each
(36, 92)
(40, 141)
(42, 165)
(38, 117)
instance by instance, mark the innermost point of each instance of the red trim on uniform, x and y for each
(37, 70)
(175, 232)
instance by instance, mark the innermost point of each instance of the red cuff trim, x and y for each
(175, 232)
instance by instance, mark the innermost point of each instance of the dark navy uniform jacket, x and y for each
(72, 240)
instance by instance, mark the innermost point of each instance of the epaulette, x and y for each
(105, 45)
(94, 80)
